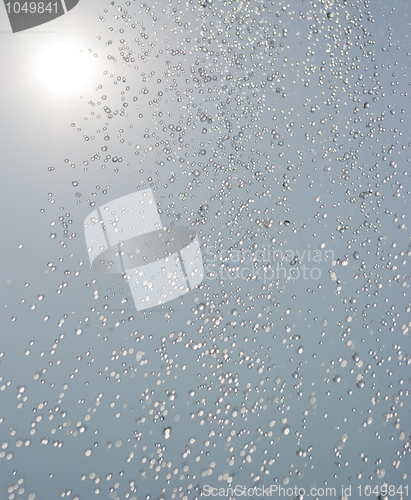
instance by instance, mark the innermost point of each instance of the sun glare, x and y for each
(64, 68)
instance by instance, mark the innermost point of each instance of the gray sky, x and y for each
(280, 129)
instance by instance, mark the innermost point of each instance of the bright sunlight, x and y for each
(64, 68)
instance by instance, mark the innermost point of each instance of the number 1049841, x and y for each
(385, 490)
(32, 7)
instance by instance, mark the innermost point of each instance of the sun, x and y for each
(63, 67)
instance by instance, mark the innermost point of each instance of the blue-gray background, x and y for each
(240, 116)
